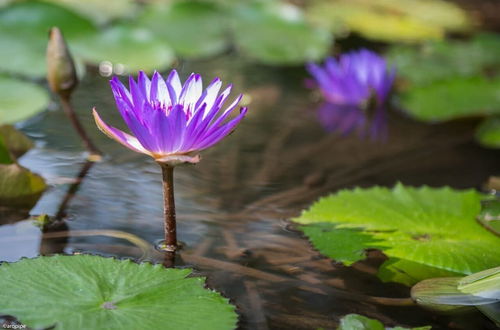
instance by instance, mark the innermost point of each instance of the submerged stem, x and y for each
(70, 112)
(169, 208)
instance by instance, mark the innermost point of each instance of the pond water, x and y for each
(233, 207)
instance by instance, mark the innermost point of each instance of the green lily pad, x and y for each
(455, 98)
(130, 48)
(24, 30)
(446, 59)
(409, 272)
(20, 100)
(276, 34)
(93, 292)
(432, 227)
(193, 28)
(488, 133)
(390, 20)
(19, 187)
(16, 141)
(100, 11)
(35, 18)
(485, 284)
(360, 322)
(5, 156)
(481, 290)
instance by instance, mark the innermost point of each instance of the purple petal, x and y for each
(119, 136)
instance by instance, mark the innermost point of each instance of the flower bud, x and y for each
(61, 72)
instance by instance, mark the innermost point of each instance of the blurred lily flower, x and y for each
(169, 121)
(355, 88)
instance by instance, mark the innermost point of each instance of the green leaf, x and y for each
(16, 141)
(278, 34)
(485, 284)
(19, 187)
(347, 245)
(91, 292)
(432, 227)
(24, 30)
(455, 98)
(481, 289)
(128, 47)
(446, 59)
(360, 322)
(390, 20)
(20, 100)
(100, 11)
(409, 272)
(488, 133)
(192, 29)
(5, 157)
(35, 18)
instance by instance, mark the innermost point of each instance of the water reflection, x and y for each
(232, 205)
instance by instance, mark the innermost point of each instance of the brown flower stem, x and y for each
(169, 259)
(70, 112)
(170, 244)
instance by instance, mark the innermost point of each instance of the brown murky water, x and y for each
(233, 207)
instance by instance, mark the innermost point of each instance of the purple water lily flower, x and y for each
(169, 121)
(357, 83)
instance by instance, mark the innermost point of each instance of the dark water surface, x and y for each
(233, 206)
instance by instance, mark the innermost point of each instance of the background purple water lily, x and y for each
(169, 121)
(355, 88)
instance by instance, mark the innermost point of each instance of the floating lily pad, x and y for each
(360, 322)
(132, 48)
(390, 20)
(92, 292)
(409, 272)
(24, 30)
(446, 59)
(451, 99)
(20, 100)
(35, 18)
(100, 11)
(193, 28)
(432, 227)
(16, 141)
(488, 133)
(278, 35)
(19, 187)
(481, 289)
(5, 156)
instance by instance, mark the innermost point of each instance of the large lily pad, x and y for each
(20, 100)
(192, 28)
(278, 34)
(390, 20)
(481, 289)
(455, 98)
(24, 30)
(446, 59)
(19, 187)
(435, 228)
(100, 11)
(91, 292)
(17, 143)
(488, 133)
(132, 48)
